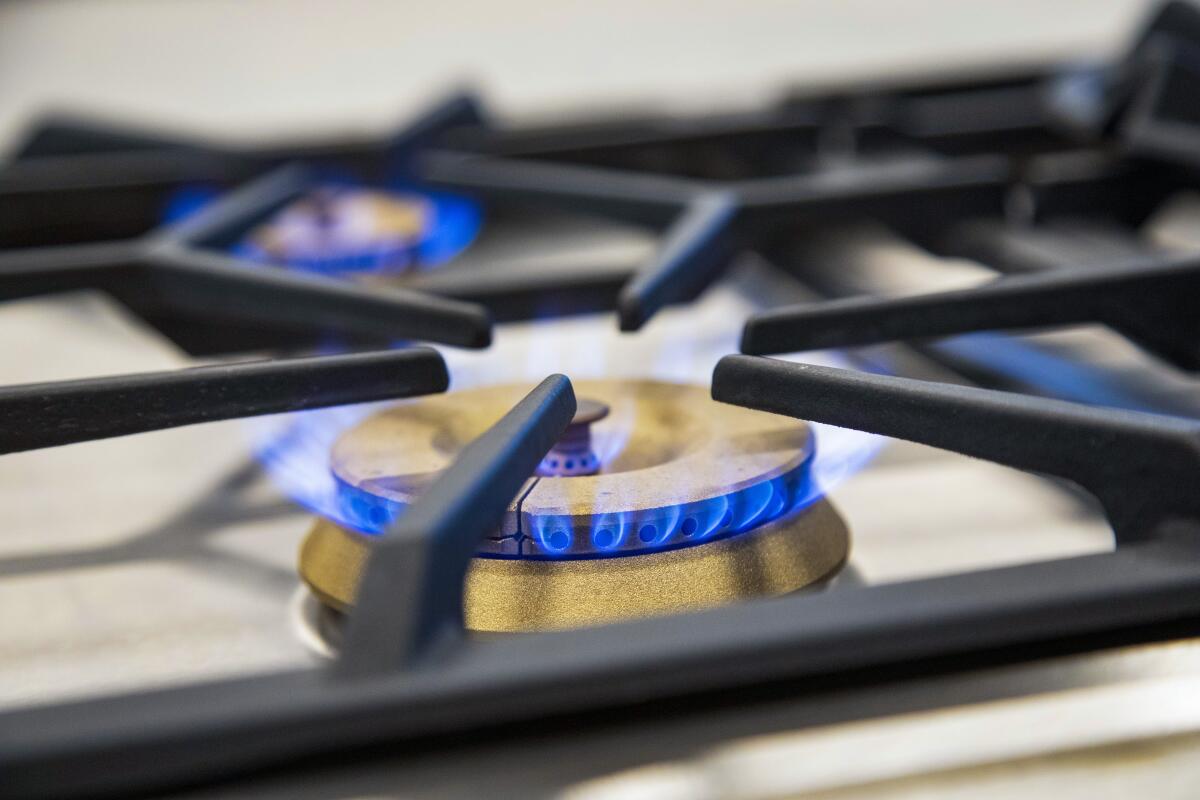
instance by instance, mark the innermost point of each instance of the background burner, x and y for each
(347, 229)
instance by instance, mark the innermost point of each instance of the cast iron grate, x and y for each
(1112, 149)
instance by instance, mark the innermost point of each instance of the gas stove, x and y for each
(804, 450)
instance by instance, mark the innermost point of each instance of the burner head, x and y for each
(572, 454)
(336, 229)
(694, 503)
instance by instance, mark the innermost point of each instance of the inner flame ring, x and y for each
(685, 470)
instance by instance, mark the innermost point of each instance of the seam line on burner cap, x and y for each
(520, 536)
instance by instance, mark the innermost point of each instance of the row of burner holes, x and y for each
(648, 533)
(584, 461)
(561, 539)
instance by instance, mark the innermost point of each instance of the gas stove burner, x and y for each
(337, 229)
(691, 504)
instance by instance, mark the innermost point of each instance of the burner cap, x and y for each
(337, 229)
(692, 503)
(572, 454)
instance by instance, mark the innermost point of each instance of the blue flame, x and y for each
(684, 345)
(553, 534)
(716, 516)
(187, 200)
(610, 532)
(295, 448)
(364, 511)
(626, 533)
(455, 223)
(615, 533)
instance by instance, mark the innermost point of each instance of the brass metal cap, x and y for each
(512, 595)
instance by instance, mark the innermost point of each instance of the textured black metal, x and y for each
(699, 239)
(1146, 100)
(650, 200)
(58, 200)
(410, 599)
(712, 147)
(223, 287)
(532, 293)
(226, 221)
(59, 134)
(1167, 42)
(705, 222)
(913, 160)
(45, 270)
(1162, 121)
(462, 109)
(51, 414)
(921, 192)
(1091, 101)
(694, 250)
(1177, 18)
(996, 110)
(698, 219)
(1069, 243)
(1150, 302)
(200, 733)
(1141, 467)
(898, 192)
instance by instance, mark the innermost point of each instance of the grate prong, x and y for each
(1141, 467)
(410, 598)
(40, 415)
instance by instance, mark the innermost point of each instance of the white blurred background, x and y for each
(249, 67)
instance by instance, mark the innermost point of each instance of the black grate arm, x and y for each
(66, 134)
(1148, 302)
(695, 250)
(410, 598)
(651, 200)
(51, 414)
(211, 284)
(224, 222)
(904, 191)
(46, 270)
(1143, 468)
(461, 109)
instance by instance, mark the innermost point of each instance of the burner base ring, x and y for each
(518, 595)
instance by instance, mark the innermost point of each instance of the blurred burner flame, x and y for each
(342, 227)
(294, 450)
